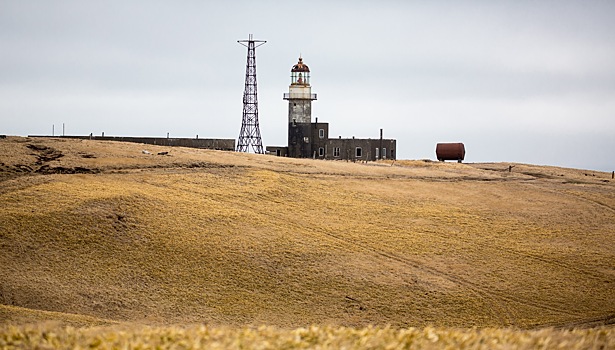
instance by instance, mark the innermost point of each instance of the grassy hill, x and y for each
(102, 233)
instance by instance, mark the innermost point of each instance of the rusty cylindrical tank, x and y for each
(450, 151)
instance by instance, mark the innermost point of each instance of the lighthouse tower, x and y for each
(300, 99)
(311, 140)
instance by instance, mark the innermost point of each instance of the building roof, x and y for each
(300, 66)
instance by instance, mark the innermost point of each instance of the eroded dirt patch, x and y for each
(46, 170)
(45, 154)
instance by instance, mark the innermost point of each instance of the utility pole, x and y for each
(250, 134)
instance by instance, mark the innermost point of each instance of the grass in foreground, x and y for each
(203, 337)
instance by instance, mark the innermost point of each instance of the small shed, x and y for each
(450, 151)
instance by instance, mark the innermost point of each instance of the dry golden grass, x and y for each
(234, 240)
(25, 318)
(49, 336)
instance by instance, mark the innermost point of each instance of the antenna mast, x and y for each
(250, 134)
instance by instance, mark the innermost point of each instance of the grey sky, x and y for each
(516, 81)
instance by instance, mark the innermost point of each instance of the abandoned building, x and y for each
(307, 139)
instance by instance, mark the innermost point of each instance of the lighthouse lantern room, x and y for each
(300, 73)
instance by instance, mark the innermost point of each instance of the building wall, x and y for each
(300, 111)
(320, 137)
(370, 149)
(279, 151)
(299, 140)
(218, 144)
(312, 141)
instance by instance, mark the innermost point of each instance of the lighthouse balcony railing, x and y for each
(299, 96)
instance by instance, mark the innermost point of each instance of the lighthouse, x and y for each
(307, 139)
(300, 99)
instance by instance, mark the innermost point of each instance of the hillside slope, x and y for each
(106, 231)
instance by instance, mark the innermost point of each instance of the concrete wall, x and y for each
(299, 140)
(219, 144)
(319, 139)
(369, 149)
(312, 141)
(279, 151)
(299, 111)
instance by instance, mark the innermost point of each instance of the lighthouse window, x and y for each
(321, 133)
(358, 152)
(384, 153)
(300, 78)
(321, 152)
(336, 152)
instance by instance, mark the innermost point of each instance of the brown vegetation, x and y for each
(108, 233)
(49, 336)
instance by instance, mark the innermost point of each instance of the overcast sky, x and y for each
(515, 81)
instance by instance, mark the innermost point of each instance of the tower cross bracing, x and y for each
(250, 134)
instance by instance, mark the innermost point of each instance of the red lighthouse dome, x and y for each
(300, 73)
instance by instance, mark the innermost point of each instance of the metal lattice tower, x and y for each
(250, 134)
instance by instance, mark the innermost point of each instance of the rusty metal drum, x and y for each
(450, 151)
